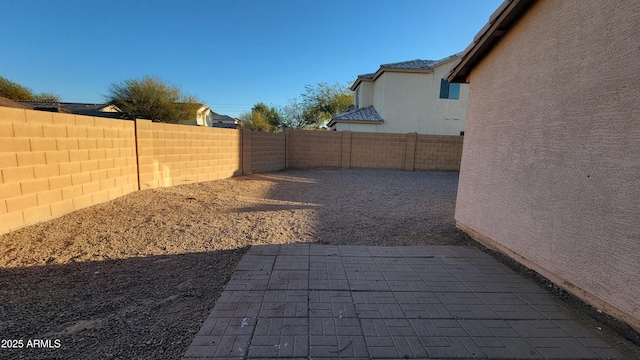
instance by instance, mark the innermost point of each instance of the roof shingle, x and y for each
(368, 113)
(411, 64)
(418, 65)
(367, 76)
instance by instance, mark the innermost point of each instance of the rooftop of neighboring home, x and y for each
(368, 113)
(100, 110)
(215, 117)
(13, 104)
(417, 65)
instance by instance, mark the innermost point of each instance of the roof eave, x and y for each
(382, 70)
(499, 23)
(357, 83)
(355, 122)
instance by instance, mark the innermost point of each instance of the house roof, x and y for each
(417, 65)
(362, 115)
(13, 104)
(507, 14)
(219, 117)
(367, 76)
(411, 64)
(225, 125)
(75, 108)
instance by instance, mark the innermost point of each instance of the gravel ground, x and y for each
(134, 278)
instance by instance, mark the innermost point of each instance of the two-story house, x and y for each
(408, 96)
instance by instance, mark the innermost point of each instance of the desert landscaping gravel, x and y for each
(134, 278)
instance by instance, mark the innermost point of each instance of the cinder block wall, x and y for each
(314, 149)
(171, 154)
(54, 163)
(378, 150)
(268, 151)
(358, 150)
(436, 152)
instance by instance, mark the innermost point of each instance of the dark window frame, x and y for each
(449, 90)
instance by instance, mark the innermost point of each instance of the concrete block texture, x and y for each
(268, 151)
(346, 149)
(155, 141)
(89, 160)
(314, 149)
(50, 161)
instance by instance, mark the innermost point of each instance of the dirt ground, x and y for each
(135, 278)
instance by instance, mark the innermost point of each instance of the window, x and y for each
(358, 98)
(449, 91)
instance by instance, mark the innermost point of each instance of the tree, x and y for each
(323, 101)
(255, 121)
(46, 97)
(293, 115)
(153, 99)
(262, 117)
(269, 113)
(14, 91)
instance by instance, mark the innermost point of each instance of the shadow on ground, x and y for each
(369, 207)
(180, 246)
(91, 306)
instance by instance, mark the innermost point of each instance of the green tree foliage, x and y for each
(14, 91)
(46, 97)
(293, 115)
(269, 113)
(323, 101)
(262, 118)
(153, 99)
(17, 92)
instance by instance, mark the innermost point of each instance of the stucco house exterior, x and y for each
(550, 171)
(207, 117)
(404, 97)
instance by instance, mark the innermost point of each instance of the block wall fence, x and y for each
(52, 163)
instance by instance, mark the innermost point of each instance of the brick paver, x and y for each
(307, 301)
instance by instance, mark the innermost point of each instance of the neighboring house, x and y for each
(203, 116)
(206, 117)
(13, 104)
(550, 171)
(409, 96)
(100, 110)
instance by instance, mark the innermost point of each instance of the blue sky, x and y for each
(230, 54)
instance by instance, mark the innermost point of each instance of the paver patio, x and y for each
(321, 301)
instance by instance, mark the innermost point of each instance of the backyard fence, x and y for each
(53, 163)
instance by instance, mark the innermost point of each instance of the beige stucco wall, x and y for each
(550, 168)
(365, 93)
(359, 127)
(379, 92)
(410, 102)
